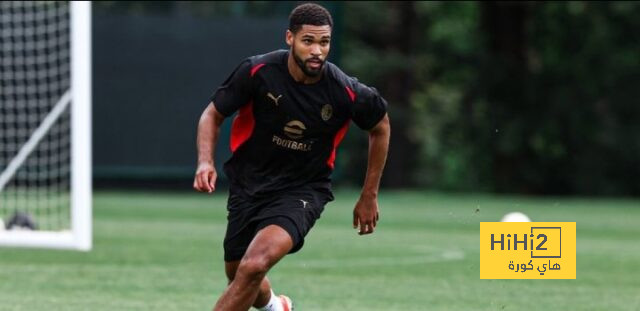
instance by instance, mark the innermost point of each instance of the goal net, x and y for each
(45, 124)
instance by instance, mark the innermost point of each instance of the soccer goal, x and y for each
(45, 124)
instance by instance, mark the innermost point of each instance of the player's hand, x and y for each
(365, 215)
(205, 180)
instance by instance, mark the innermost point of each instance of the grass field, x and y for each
(155, 251)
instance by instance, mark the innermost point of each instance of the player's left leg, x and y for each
(264, 292)
(269, 245)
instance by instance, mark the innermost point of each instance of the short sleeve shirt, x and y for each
(286, 133)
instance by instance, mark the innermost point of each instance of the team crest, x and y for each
(327, 111)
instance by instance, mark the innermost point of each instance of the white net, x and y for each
(34, 84)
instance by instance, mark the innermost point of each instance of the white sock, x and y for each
(274, 304)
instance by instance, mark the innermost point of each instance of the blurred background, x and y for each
(495, 107)
(508, 97)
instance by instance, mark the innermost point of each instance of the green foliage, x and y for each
(514, 97)
(585, 73)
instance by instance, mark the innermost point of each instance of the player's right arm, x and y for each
(208, 132)
(234, 92)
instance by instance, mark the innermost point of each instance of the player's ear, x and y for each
(289, 37)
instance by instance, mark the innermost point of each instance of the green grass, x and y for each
(155, 251)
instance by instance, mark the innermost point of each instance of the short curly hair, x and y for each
(309, 14)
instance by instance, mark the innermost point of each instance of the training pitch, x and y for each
(157, 251)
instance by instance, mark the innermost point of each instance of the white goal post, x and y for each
(45, 124)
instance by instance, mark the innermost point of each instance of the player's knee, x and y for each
(253, 268)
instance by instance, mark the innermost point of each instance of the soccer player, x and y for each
(294, 108)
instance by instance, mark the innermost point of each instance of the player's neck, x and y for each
(298, 75)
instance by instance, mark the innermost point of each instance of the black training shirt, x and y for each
(286, 133)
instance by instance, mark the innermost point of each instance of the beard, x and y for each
(308, 71)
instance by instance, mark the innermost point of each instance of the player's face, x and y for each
(310, 48)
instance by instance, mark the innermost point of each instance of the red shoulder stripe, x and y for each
(255, 69)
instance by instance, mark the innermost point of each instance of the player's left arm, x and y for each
(366, 213)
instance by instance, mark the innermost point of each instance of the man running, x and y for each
(293, 108)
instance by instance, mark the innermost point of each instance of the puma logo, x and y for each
(275, 99)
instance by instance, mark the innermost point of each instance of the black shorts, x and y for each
(296, 211)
